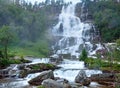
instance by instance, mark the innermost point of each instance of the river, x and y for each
(69, 70)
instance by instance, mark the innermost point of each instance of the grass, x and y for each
(36, 49)
(98, 63)
(19, 51)
(40, 86)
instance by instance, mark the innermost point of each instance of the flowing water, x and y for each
(73, 34)
(69, 70)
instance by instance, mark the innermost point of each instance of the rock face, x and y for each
(82, 78)
(49, 83)
(44, 75)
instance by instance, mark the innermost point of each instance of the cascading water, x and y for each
(73, 35)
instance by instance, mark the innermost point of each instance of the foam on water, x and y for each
(70, 70)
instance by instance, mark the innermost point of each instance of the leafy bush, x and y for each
(4, 62)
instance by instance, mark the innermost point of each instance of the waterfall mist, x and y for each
(72, 34)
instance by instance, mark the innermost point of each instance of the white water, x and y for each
(70, 70)
(75, 35)
(37, 60)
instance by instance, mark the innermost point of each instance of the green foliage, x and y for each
(29, 23)
(42, 66)
(4, 62)
(83, 55)
(93, 63)
(36, 67)
(41, 86)
(103, 65)
(118, 42)
(6, 36)
(106, 18)
(37, 49)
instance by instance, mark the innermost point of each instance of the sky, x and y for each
(33, 1)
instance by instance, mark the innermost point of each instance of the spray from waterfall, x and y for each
(73, 34)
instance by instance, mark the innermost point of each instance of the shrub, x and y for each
(4, 63)
(83, 55)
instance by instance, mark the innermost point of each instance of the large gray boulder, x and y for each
(49, 83)
(44, 75)
(82, 78)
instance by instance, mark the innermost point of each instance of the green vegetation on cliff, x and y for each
(106, 17)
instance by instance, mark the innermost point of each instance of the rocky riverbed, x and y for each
(66, 74)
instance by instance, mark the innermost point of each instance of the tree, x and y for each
(6, 36)
(83, 55)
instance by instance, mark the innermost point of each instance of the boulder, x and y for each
(44, 75)
(49, 83)
(34, 68)
(104, 79)
(56, 58)
(82, 78)
(108, 77)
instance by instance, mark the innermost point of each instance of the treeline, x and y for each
(106, 16)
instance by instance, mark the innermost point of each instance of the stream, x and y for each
(69, 70)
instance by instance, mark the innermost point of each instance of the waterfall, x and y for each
(72, 34)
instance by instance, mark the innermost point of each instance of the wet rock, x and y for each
(49, 83)
(56, 58)
(104, 79)
(61, 80)
(75, 85)
(64, 82)
(4, 73)
(101, 52)
(21, 66)
(82, 78)
(44, 75)
(34, 68)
